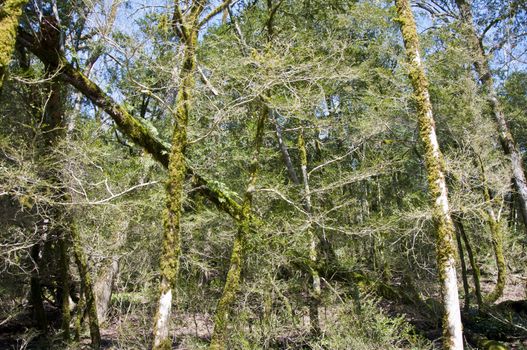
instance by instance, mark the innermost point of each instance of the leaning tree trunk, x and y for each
(232, 283)
(435, 166)
(481, 65)
(10, 12)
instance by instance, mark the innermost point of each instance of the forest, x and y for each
(263, 174)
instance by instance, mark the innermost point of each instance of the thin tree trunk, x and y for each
(87, 288)
(496, 239)
(315, 293)
(64, 267)
(452, 328)
(35, 295)
(476, 276)
(482, 67)
(464, 278)
(283, 149)
(9, 18)
(232, 283)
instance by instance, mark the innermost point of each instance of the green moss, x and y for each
(434, 162)
(10, 13)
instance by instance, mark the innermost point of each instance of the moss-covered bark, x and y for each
(10, 12)
(452, 329)
(87, 287)
(482, 67)
(232, 283)
(171, 245)
(496, 239)
(127, 124)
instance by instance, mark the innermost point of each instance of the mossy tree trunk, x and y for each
(232, 283)
(482, 67)
(315, 292)
(10, 12)
(186, 27)
(86, 287)
(496, 233)
(446, 263)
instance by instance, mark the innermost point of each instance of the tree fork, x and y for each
(452, 328)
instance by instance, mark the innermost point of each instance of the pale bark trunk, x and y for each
(104, 287)
(11, 12)
(315, 293)
(452, 328)
(283, 149)
(482, 67)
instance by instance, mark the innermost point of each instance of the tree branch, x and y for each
(126, 123)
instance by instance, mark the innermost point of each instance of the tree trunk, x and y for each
(127, 124)
(283, 149)
(11, 10)
(464, 278)
(496, 238)
(476, 276)
(315, 293)
(103, 288)
(171, 246)
(452, 328)
(87, 288)
(482, 67)
(35, 296)
(232, 283)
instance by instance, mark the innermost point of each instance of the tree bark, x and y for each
(10, 12)
(283, 149)
(103, 288)
(452, 328)
(232, 283)
(87, 288)
(315, 293)
(464, 278)
(481, 65)
(171, 246)
(496, 239)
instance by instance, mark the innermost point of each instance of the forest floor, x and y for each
(192, 330)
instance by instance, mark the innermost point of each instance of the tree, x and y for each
(11, 11)
(446, 263)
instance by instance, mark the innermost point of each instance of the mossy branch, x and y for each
(135, 130)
